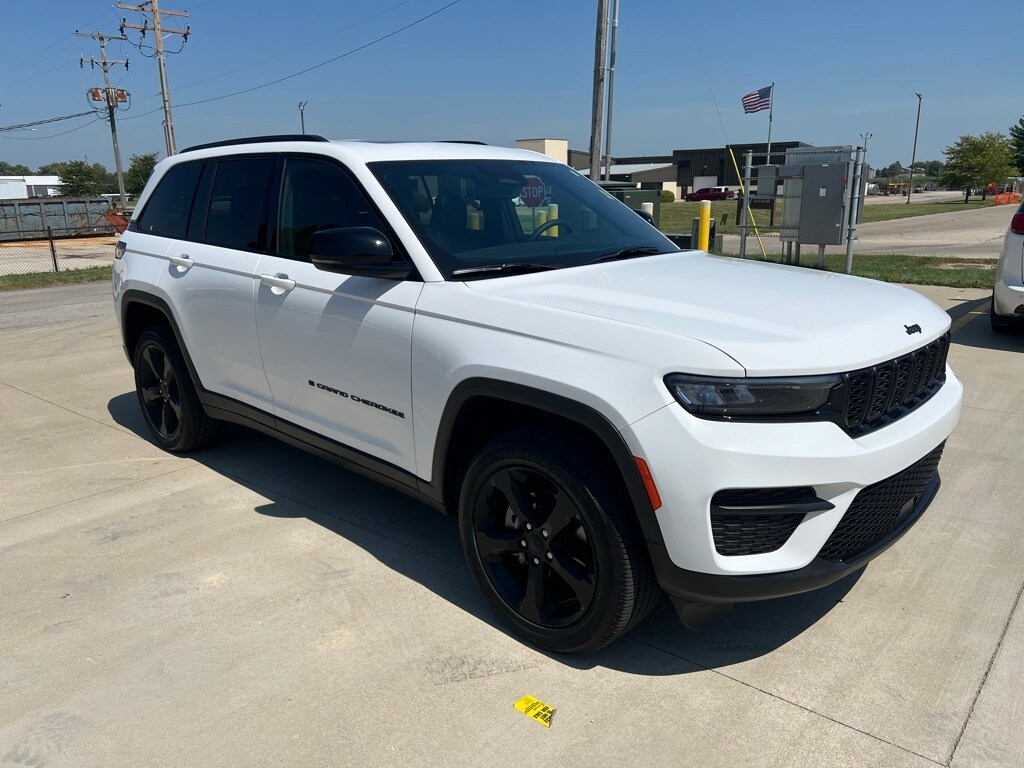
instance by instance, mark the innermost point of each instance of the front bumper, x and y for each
(715, 588)
(691, 459)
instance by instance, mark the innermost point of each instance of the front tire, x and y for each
(168, 398)
(550, 543)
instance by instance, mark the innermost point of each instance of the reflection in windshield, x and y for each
(485, 217)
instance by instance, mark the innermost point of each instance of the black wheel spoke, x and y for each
(497, 544)
(175, 405)
(166, 414)
(564, 515)
(531, 607)
(574, 576)
(515, 494)
(154, 361)
(150, 394)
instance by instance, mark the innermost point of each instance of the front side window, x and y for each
(475, 214)
(167, 210)
(235, 214)
(318, 195)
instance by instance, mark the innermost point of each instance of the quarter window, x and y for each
(234, 219)
(318, 195)
(167, 211)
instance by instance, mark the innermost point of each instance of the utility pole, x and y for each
(864, 137)
(611, 88)
(597, 108)
(302, 115)
(152, 7)
(112, 96)
(913, 154)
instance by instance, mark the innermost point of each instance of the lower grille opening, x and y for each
(880, 510)
(753, 521)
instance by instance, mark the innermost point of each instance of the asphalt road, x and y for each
(975, 233)
(253, 605)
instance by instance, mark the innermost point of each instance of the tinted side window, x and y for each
(236, 203)
(318, 195)
(168, 207)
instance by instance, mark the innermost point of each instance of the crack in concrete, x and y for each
(984, 677)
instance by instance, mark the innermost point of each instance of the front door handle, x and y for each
(279, 283)
(183, 263)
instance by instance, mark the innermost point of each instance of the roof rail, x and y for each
(461, 141)
(256, 140)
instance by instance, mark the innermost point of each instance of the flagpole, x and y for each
(771, 109)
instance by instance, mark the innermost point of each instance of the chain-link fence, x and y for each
(55, 250)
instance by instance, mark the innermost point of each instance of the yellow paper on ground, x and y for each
(536, 709)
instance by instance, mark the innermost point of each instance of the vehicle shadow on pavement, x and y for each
(977, 332)
(423, 545)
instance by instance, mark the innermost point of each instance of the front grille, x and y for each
(880, 509)
(737, 533)
(880, 394)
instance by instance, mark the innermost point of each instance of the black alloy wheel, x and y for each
(534, 545)
(158, 386)
(168, 398)
(552, 542)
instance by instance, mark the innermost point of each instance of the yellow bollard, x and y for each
(552, 214)
(704, 225)
(540, 215)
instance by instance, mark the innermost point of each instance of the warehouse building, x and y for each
(21, 187)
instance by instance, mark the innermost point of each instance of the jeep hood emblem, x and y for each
(912, 329)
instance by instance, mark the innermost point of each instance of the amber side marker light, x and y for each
(652, 489)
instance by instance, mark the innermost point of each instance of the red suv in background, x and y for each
(710, 193)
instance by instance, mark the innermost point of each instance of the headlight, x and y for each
(714, 397)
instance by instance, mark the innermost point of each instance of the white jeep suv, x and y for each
(487, 330)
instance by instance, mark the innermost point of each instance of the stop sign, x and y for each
(533, 192)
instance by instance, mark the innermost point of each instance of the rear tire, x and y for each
(552, 545)
(1000, 324)
(168, 398)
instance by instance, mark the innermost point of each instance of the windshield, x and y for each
(512, 216)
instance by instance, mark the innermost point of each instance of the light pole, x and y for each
(302, 115)
(913, 154)
(864, 137)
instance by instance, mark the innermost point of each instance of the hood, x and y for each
(772, 319)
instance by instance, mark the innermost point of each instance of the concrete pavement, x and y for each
(254, 605)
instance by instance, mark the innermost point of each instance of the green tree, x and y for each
(78, 178)
(6, 169)
(140, 168)
(1017, 141)
(975, 161)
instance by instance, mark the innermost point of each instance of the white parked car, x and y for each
(488, 331)
(1007, 312)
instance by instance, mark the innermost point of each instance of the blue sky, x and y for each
(498, 71)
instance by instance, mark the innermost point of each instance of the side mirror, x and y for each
(357, 251)
(644, 215)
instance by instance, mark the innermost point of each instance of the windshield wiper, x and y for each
(502, 269)
(627, 253)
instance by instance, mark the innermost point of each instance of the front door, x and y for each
(336, 348)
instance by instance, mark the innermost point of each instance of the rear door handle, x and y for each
(183, 263)
(279, 283)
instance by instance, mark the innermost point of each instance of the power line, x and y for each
(322, 63)
(53, 135)
(44, 122)
(206, 80)
(54, 44)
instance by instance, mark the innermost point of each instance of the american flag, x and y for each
(757, 100)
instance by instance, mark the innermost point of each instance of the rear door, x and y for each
(211, 277)
(336, 348)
